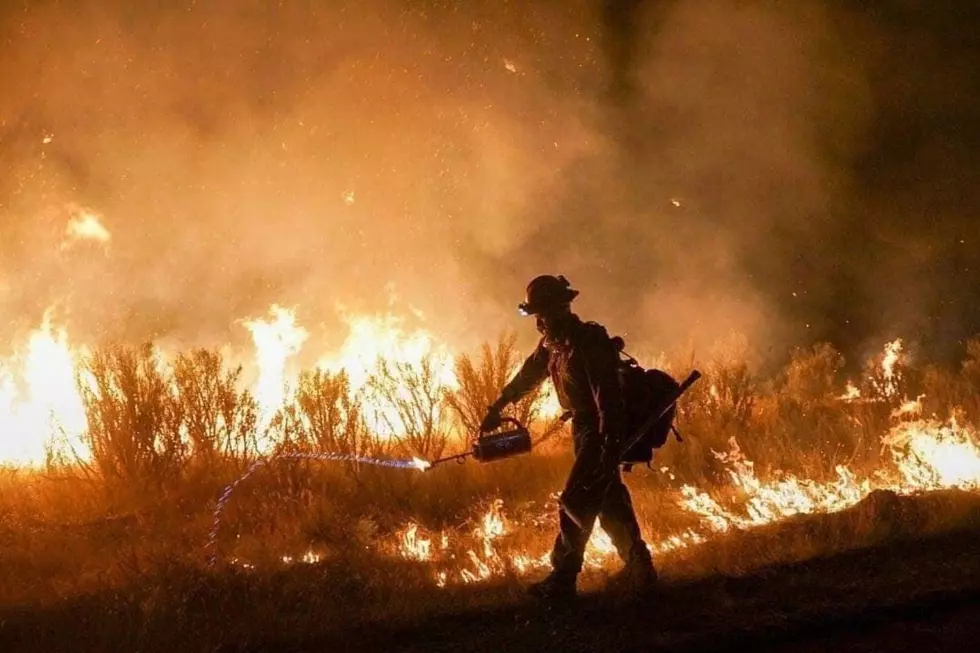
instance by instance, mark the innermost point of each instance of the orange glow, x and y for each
(40, 405)
(86, 225)
(276, 341)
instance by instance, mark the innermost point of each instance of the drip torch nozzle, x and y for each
(460, 458)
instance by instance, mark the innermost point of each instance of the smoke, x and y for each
(709, 178)
(694, 168)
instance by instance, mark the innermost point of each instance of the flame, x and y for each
(49, 415)
(892, 354)
(373, 339)
(85, 224)
(925, 455)
(414, 547)
(488, 562)
(767, 502)
(933, 456)
(911, 407)
(276, 341)
(308, 558)
(599, 548)
(851, 393)
(41, 410)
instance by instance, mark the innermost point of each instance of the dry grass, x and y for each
(167, 438)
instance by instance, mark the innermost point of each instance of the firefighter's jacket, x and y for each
(584, 368)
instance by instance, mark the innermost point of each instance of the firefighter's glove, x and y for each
(492, 421)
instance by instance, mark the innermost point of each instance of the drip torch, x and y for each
(496, 446)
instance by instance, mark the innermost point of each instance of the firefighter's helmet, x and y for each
(547, 292)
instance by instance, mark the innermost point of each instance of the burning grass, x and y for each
(117, 488)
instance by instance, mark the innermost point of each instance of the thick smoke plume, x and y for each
(791, 171)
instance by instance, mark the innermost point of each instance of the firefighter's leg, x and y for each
(578, 513)
(618, 519)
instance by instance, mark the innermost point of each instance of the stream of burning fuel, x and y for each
(226, 493)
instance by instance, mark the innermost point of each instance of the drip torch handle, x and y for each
(511, 420)
(505, 419)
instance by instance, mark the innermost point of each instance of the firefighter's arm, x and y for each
(532, 373)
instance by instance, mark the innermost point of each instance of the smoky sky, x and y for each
(794, 172)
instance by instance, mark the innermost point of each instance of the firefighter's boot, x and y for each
(636, 577)
(555, 587)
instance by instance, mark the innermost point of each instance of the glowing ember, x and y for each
(420, 464)
(308, 558)
(86, 225)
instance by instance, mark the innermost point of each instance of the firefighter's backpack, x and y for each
(646, 392)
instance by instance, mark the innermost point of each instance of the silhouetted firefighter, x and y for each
(584, 365)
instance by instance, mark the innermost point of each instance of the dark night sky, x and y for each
(793, 171)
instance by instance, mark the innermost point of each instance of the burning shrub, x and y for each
(407, 402)
(714, 411)
(134, 421)
(970, 377)
(217, 416)
(481, 382)
(810, 377)
(803, 417)
(326, 416)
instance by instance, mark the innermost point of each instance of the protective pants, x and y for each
(611, 504)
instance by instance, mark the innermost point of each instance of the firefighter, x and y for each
(582, 362)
